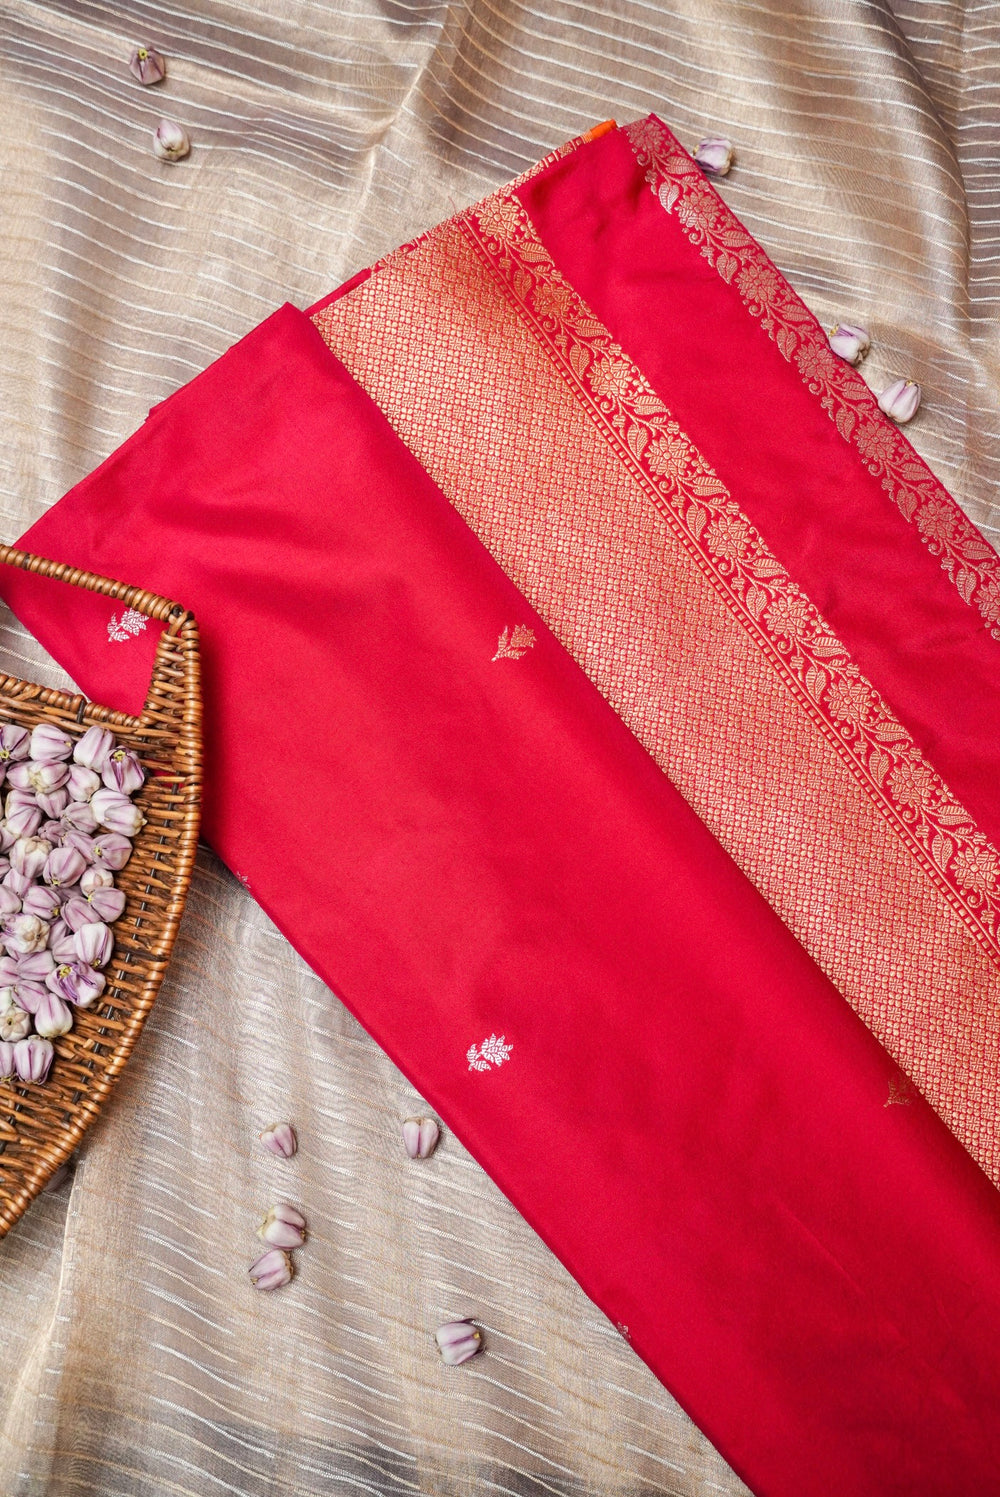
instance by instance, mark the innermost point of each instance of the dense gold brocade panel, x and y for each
(470, 389)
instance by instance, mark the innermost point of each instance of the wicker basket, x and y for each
(40, 1126)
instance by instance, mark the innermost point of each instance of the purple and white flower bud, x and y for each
(93, 748)
(77, 912)
(715, 155)
(280, 1139)
(83, 843)
(79, 817)
(7, 838)
(458, 1340)
(54, 804)
(76, 983)
(272, 1270)
(420, 1136)
(900, 400)
(15, 1024)
(112, 850)
(33, 1058)
(34, 967)
(28, 995)
(19, 777)
(94, 944)
(53, 831)
(147, 65)
(19, 800)
(123, 772)
(10, 902)
(24, 934)
(15, 742)
(850, 343)
(24, 822)
(6, 1060)
(50, 743)
(82, 782)
(170, 141)
(45, 775)
(283, 1227)
(17, 883)
(106, 904)
(63, 867)
(62, 943)
(42, 901)
(28, 856)
(116, 812)
(96, 878)
(52, 1017)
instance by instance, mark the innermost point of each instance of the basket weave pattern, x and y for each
(40, 1126)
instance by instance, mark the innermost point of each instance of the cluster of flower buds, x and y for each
(67, 827)
(283, 1228)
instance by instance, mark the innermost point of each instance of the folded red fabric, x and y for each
(442, 813)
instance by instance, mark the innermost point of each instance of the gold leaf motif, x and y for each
(513, 643)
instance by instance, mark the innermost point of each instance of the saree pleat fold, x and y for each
(480, 852)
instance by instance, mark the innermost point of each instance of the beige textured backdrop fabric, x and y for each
(134, 1359)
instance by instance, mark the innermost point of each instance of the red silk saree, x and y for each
(601, 695)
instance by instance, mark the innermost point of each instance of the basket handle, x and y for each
(151, 604)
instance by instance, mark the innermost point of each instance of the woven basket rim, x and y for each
(169, 728)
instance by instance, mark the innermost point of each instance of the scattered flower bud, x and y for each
(280, 1139)
(6, 1060)
(63, 867)
(272, 1270)
(900, 400)
(111, 850)
(170, 141)
(26, 933)
(10, 902)
(116, 812)
(93, 749)
(283, 1227)
(15, 1024)
(123, 772)
(715, 155)
(94, 944)
(15, 743)
(19, 800)
(7, 838)
(53, 832)
(420, 1135)
(33, 1058)
(96, 878)
(28, 856)
(147, 65)
(50, 742)
(76, 983)
(29, 996)
(850, 343)
(82, 782)
(457, 1341)
(52, 1017)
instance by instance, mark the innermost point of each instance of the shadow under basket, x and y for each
(41, 1125)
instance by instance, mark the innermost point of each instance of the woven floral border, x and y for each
(681, 189)
(730, 551)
